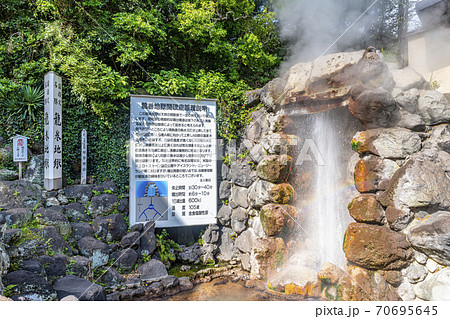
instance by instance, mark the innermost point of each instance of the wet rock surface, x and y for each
(376, 247)
(365, 208)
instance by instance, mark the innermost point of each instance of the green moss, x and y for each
(177, 272)
(330, 296)
(356, 145)
(343, 242)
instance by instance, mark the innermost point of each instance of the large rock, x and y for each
(409, 100)
(11, 236)
(408, 78)
(81, 193)
(373, 173)
(211, 234)
(257, 127)
(239, 196)
(54, 266)
(275, 169)
(224, 215)
(374, 107)
(398, 219)
(257, 153)
(282, 193)
(276, 218)
(358, 284)
(16, 216)
(279, 143)
(110, 276)
(246, 241)
(131, 240)
(76, 212)
(418, 183)
(227, 250)
(80, 266)
(242, 173)
(123, 207)
(152, 270)
(272, 92)
(19, 194)
(81, 230)
(53, 238)
(35, 170)
(366, 209)
(239, 220)
(439, 138)
(34, 266)
(209, 252)
(416, 273)
(81, 288)
(411, 121)
(8, 175)
(54, 216)
(29, 285)
(110, 228)
(311, 80)
(108, 186)
(434, 108)
(432, 236)
(435, 287)
(28, 249)
(6, 153)
(259, 193)
(96, 250)
(4, 261)
(125, 260)
(388, 143)
(103, 204)
(148, 240)
(224, 190)
(376, 247)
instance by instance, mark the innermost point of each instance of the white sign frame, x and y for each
(52, 131)
(20, 148)
(171, 138)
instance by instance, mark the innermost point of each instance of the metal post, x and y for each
(20, 171)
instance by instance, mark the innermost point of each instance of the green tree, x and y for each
(107, 49)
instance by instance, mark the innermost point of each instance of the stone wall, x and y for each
(252, 229)
(397, 248)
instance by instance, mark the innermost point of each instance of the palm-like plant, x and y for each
(25, 104)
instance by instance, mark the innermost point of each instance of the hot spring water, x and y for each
(323, 181)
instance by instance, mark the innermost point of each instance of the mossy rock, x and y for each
(275, 169)
(276, 218)
(365, 208)
(282, 193)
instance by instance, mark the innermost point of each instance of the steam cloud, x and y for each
(313, 25)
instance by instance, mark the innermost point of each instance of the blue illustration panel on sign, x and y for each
(152, 201)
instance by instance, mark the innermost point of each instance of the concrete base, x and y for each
(51, 184)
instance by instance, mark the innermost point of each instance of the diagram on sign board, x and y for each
(151, 201)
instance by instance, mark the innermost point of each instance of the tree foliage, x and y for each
(107, 49)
